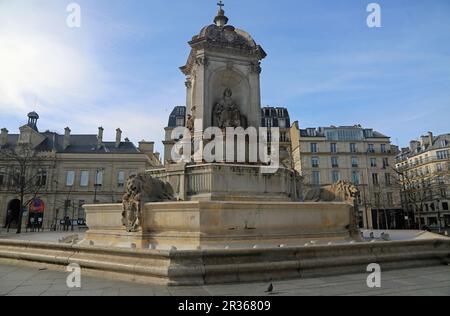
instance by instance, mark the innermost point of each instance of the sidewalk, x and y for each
(26, 281)
(47, 236)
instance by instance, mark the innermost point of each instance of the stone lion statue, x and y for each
(140, 189)
(341, 191)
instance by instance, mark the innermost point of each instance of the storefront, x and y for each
(36, 214)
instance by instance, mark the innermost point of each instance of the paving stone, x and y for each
(431, 281)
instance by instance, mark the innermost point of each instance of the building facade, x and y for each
(278, 117)
(67, 171)
(424, 171)
(177, 118)
(362, 156)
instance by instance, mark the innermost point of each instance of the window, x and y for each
(445, 206)
(121, 179)
(335, 162)
(2, 176)
(371, 148)
(383, 148)
(99, 178)
(316, 178)
(280, 112)
(387, 179)
(283, 137)
(70, 179)
(385, 163)
(84, 179)
(444, 193)
(444, 154)
(315, 162)
(353, 148)
(375, 179)
(354, 162)
(377, 199)
(356, 178)
(180, 121)
(390, 198)
(282, 123)
(373, 162)
(439, 167)
(333, 148)
(41, 178)
(336, 176)
(313, 147)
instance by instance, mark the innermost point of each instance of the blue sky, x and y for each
(120, 69)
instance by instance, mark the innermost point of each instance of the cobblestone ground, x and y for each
(36, 281)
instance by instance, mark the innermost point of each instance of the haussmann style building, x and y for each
(362, 156)
(424, 170)
(65, 172)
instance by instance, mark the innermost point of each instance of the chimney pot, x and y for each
(100, 137)
(430, 138)
(66, 138)
(4, 137)
(118, 137)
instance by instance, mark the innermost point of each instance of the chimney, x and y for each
(430, 138)
(4, 137)
(100, 138)
(146, 147)
(413, 145)
(118, 137)
(66, 143)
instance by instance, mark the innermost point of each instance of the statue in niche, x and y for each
(227, 114)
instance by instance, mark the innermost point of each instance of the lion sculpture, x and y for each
(341, 191)
(140, 189)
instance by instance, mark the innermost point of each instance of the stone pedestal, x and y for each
(221, 224)
(229, 182)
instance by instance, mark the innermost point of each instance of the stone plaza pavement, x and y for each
(38, 281)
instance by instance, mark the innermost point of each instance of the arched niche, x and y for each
(224, 78)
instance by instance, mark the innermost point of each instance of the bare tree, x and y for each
(26, 178)
(413, 193)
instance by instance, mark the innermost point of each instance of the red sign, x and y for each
(37, 206)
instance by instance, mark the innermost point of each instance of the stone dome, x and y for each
(33, 115)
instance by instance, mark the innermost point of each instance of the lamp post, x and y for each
(96, 184)
(438, 208)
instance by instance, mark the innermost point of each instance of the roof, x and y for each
(439, 142)
(275, 114)
(347, 133)
(177, 112)
(79, 144)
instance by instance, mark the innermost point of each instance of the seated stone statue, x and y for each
(227, 114)
(140, 189)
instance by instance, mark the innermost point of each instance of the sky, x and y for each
(120, 68)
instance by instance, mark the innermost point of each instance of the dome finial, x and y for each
(221, 20)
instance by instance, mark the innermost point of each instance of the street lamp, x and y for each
(96, 184)
(439, 214)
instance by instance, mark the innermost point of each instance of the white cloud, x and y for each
(38, 61)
